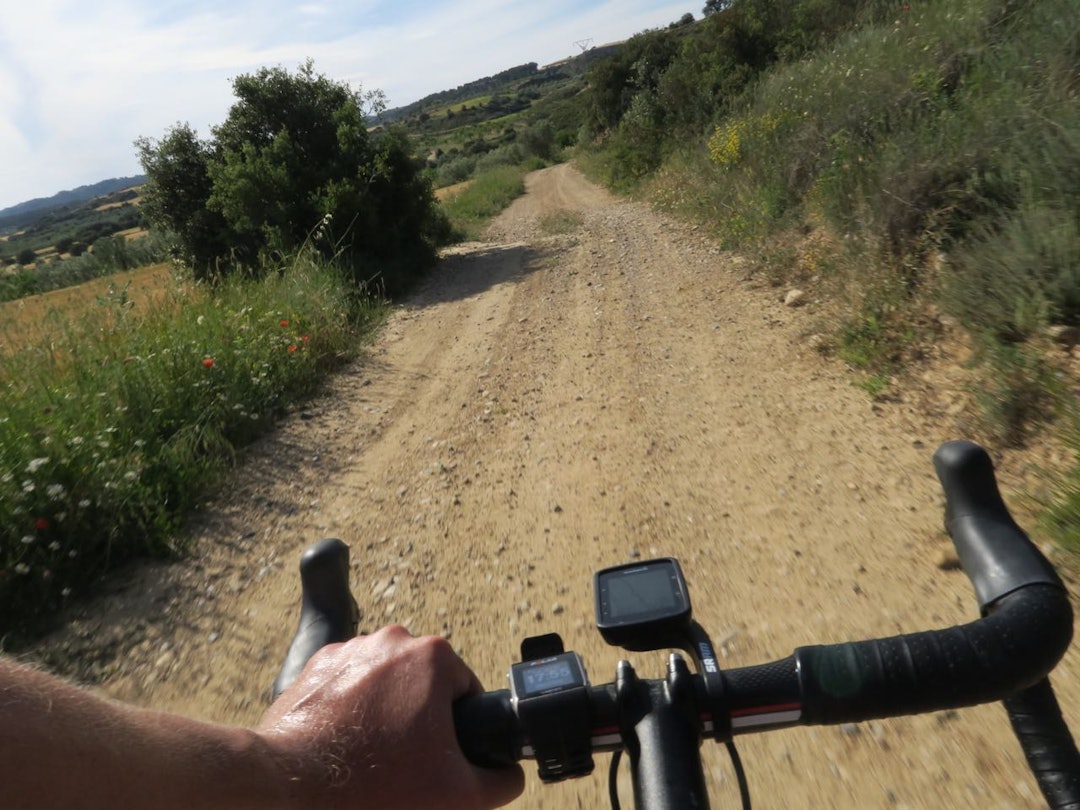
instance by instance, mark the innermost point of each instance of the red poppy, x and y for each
(305, 338)
(208, 362)
(41, 524)
(284, 323)
(292, 349)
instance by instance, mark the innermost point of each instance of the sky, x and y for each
(80, 81)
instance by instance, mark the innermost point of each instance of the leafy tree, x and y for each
(294, 163)
(176, 195)
(636, 68)
(26, 256)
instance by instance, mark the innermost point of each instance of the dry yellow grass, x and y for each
(133, 201)
(446, 192)
(29, 320)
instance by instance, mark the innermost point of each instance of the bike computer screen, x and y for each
(643, 606)
(553, 674)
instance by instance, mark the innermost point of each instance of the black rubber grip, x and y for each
(996, 554)
(1048, 745)
(328, 614)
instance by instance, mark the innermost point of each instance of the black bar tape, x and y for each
(1048, 745)
(980, 662)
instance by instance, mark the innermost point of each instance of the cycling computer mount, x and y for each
(640, 606)
(643, 606)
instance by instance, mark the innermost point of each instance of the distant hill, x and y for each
(500, 82)
(75, 196)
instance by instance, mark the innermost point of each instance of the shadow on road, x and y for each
(471, 269)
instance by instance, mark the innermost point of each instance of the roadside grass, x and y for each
(121, 419)
(490, 192)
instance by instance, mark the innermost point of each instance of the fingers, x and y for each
(501, 785)
(452, 671)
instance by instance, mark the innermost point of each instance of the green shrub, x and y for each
(1018, 392)
(294, 159)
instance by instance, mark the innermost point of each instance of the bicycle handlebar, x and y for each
(328, 613)
(1025, 628)
(995, 553)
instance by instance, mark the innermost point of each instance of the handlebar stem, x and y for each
(662, 734)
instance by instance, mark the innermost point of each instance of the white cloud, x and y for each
(80, 81)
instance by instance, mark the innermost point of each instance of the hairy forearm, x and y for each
(62, 747)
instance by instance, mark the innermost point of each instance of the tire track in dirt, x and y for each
(549, 404)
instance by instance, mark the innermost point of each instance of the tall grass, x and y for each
(119, 423)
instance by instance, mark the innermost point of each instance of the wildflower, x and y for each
(66, 592)
(22, 568)
(84, 503)
(292, 348)
(208, 362)
(28, 487)
(55, 491)
(131, 475)
(284, 324)
(36, 464)
(305, 338)
(139, 443)
(200, 320)
(54, 546)
(41, 524)
(27, 539)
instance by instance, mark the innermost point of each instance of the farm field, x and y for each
(29, 319)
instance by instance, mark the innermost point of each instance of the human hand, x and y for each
(369, 724)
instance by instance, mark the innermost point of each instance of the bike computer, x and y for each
(643, 606)
(556, 673)
(550, 697)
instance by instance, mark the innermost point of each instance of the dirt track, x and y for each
(552, 403)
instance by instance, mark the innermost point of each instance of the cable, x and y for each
(613, 774)
(740, 775)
